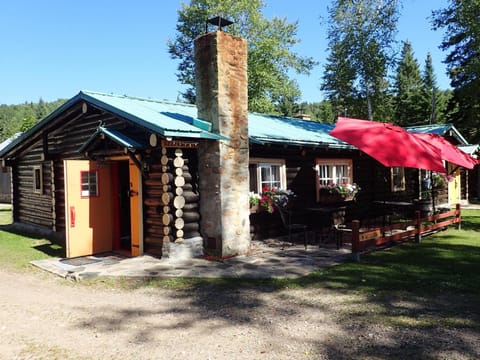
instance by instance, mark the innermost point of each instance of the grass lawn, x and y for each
(446, 261)
(16, 251)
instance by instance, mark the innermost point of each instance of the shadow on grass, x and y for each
(52, 250)
(52, 246)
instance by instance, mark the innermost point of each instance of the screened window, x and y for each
(37, 180)
(398, 179)
(334, 171)
(89, 183)
(267, 173)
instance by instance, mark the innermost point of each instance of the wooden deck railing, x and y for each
(367, 238)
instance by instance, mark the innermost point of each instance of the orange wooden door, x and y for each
(88, 208)
(136, 213)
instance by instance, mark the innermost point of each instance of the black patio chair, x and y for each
(291, 227)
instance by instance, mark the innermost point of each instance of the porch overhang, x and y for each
(129, 144)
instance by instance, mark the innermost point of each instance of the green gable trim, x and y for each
(114, 135)
(439, 129)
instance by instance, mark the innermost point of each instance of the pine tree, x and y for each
(460, 20)
(409, 107)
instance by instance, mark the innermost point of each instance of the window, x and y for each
(267, 173)
(37, 179)
(397, 179)
(333, 171)
(89, 183)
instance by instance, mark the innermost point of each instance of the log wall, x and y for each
(61, 141)
(171, 200)
(5, 186)
(372, 177)
(33, 207)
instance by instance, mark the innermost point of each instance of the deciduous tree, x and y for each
(361, 35)
(270, 54)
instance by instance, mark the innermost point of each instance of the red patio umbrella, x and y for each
(389, 144)
(448, 151)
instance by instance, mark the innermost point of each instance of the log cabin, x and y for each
(116, 173)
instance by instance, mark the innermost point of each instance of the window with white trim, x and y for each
(89, 183)
(333, 171)
(397, 176)
(267, 173)
(37, 179)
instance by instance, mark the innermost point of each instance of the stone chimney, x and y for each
(222, 99)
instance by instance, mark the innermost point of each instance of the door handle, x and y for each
(72, 216)
(132, 193)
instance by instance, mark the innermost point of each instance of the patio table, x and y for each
(403, 207)
(327, 216)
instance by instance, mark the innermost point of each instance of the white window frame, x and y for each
(396, 172)
(265, 162)
(37, 180)
(334, 178)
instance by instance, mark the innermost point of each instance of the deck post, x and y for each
(458, 216)
(418, 227)
(356, 240)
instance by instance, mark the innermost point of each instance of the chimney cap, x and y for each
(219, 21)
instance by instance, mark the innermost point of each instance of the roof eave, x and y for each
(300, 143)
(39, 126)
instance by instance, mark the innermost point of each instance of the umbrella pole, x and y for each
(384, 204)
(432, 189)
(433, 192)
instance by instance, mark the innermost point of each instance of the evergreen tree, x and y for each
(409, 107)
(270, 55)
(287, 103)
(19, 118)
(435, 100)
(319, 111)
(430, 91)
(460, 20)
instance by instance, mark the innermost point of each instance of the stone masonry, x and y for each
(222, 99)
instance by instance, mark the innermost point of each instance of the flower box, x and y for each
(333, 193)
(334, 198)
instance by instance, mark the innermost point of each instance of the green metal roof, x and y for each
(267, 129)
(469, 149)
(179, 120)
(166, 118)
(439, 129)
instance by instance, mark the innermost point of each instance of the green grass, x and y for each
(5, 215)
(447, 261)
(16, 251)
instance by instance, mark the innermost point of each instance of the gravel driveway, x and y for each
(42, 317)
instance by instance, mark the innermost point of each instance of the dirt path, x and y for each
(42, 317)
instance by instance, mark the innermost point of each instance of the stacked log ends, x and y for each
(158, 201)
(171, 204)
(186, 202)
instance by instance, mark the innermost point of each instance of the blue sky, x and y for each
(53, 49)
